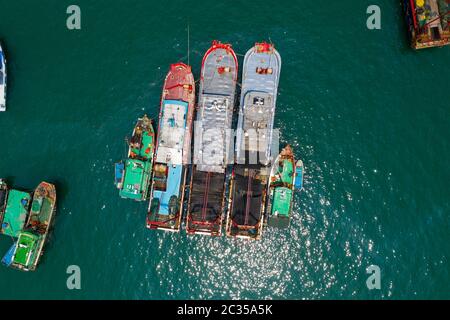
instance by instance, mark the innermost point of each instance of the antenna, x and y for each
(188, 42)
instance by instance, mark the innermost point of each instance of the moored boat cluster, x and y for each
(26, 217)
(208, 173)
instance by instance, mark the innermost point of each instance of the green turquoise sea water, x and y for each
(369, 117)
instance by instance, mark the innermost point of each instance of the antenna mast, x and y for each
(188, 34)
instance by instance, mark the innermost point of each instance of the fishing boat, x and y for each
(31, 241)
(173, 149)
(8, 257)
(248, 192)
(282, 182)
(15, 213)
(2, 80)
(299, 171)
(132, 176)
(428, 22)
(3, 197)
(213, 151)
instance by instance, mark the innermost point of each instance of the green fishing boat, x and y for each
(281, 189)
(132, 176)
(31, 241)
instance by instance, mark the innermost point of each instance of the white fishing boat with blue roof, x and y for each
(248, 191)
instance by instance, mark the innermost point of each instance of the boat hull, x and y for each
(133, 176)
(248, 194)
(261, 75)
(299, 173)
(31, 241)
(281, 189)
(173, 149)
(213, 151)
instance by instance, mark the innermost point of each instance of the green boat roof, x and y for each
(16, 212)
(282, 199)
(136, 180)
(26, 249)
(287, 175)
(146, 150)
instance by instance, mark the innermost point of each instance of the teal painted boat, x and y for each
(281, 189)
(32, 239)
(132, 176)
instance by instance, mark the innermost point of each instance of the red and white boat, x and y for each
(173, 149)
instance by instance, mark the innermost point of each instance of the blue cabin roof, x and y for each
(173, 188)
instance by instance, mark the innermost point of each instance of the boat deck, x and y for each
(282, 201)
(258, 99)
(25, 250)
(206, 203)
(165, 208)
(146, 151)
(180, 86)
(256, 128)
(248, 194)
(16, 212)
(169, 189)
(172, 128)
(168, 170)
(212, 142)
(135, 182)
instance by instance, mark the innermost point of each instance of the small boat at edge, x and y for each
(132, 176)
(282, 183)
